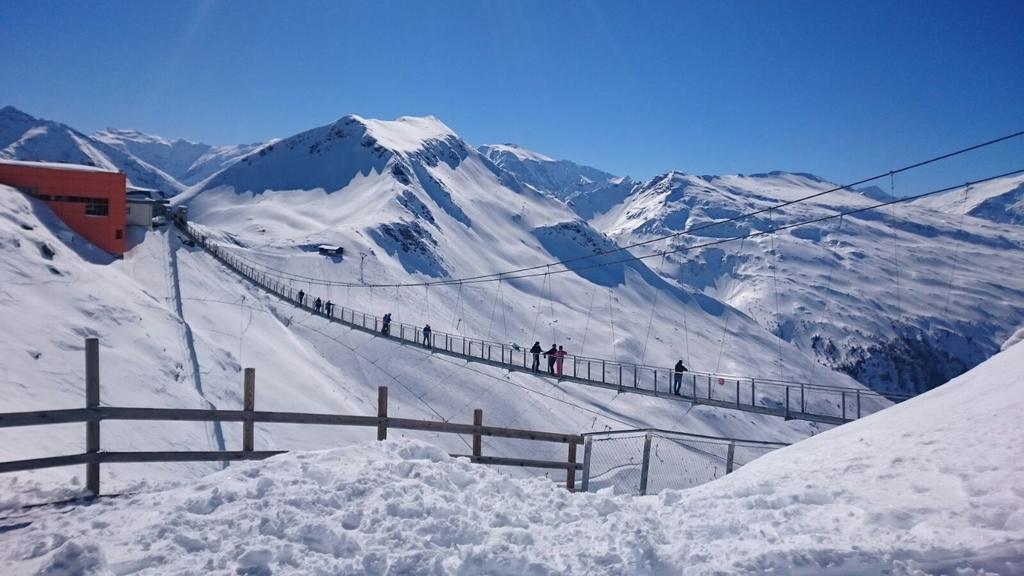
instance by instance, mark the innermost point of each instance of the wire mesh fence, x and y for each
(649, 461)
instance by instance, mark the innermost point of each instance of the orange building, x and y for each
(91, 201)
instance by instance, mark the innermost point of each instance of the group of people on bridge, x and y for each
(555, 355)
(319, 306)
(385, 330)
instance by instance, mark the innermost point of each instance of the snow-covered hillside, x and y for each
(24, 137)
(187, 162)
(902, 298)
(588, 190)
(1001, 201)
(932, 486)
(176, 328)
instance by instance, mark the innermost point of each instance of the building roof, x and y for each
(137, 200)
(57, 166)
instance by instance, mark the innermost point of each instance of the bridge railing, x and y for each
(797, 400)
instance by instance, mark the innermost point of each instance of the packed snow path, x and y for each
(799, 401)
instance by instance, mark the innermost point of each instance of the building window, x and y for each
(118, 234)
(97, 207)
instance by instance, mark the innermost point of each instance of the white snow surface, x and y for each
(932, 486)
(57, 165)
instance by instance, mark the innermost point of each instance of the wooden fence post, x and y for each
(570, 472)
(92, 400)
(249, 405)
(588, 444)
(478, 420)
(382, 412)
(646, 465)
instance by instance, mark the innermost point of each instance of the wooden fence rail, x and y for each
(93, 414)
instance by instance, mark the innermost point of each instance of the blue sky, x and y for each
(841, 89)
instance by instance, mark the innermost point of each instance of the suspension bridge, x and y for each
(790, 400)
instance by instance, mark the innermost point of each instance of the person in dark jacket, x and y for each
(427, 342)
(329, 308)
(551, 355)
(317, 304)
(302, 298)
(386, 328)
(536, 350)
(679, 376)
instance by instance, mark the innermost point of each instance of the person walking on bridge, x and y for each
(317, 304)
(329, 308)
(386, 328)
(678, 376)
(427, 342)
(536, 350)
(550, 354)
(302, 298)
(559, 358)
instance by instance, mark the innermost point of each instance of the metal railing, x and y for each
(790, 400)
(648, 461)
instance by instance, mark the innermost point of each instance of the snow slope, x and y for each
(24, 137)
(176, 329)
(187, 162)
(932, 486)
(588, 190)
(1001, 201)
(902, 298)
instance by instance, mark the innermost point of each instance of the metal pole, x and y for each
(803, 406)
(753, 402)
(787, 402)
(737, 393)
(858, 404)
(585, 481)
(92, 400)
(729, 458)
(645, 467)
(844, 404)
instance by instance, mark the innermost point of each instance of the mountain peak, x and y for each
(10, 113)
(404, 134)
(515, 150)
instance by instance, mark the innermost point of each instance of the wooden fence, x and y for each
(93, 414)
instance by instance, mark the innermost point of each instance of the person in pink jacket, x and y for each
(559, 358)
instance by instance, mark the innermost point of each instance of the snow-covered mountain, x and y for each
(902, 298)
(187, 162)
(24, 137)
(587, 190)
